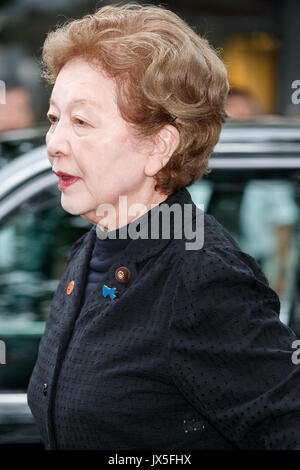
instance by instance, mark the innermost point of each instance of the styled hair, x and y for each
(164, 73)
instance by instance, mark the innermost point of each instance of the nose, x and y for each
(57, 141)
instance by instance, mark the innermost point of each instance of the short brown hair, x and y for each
(162, 68)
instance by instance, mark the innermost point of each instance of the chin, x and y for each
(72, 208)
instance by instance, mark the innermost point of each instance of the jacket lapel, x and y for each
(135, 252)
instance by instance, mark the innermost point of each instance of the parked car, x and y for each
(253, 191)
(16, 142)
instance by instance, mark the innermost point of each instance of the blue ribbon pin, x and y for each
(109, 291)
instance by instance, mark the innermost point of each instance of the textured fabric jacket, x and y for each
(191, 354)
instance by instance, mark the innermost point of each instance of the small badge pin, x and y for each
(109, 291)
(122, 274)
(70, 287)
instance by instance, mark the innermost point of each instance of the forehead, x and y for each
(78, 82)
(92, 101)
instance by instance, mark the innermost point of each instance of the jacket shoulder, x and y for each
(220, 266)
(208, 234)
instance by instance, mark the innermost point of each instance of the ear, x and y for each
(165, 142)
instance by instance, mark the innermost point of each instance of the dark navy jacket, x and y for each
(191, 354)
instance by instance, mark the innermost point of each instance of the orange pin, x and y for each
(70, 287)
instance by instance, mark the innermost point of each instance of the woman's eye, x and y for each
(51, 118)
(80, 122)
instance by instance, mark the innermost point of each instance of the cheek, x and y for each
(109, 162)
(88, 157)
(98, 156)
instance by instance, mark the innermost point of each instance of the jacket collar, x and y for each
(140, 249)
(136, 251)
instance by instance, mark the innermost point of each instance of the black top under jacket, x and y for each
(104, 254)
(191, 354)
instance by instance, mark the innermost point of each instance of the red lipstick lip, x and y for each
(61, 173)
(65, 179)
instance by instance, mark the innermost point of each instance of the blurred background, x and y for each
(259, 42)
(253, 188)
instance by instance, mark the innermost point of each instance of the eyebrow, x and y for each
(79, 100)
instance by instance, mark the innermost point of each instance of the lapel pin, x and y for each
(109, 291)
(70, 287)
(122, 274)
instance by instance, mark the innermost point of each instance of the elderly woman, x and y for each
(152, 343)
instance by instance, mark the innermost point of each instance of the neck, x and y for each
(110, 217)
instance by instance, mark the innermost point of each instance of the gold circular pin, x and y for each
(70, 287)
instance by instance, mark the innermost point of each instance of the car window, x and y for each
(35, 240)
(263, 217)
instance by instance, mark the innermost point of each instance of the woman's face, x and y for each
(89, 139)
